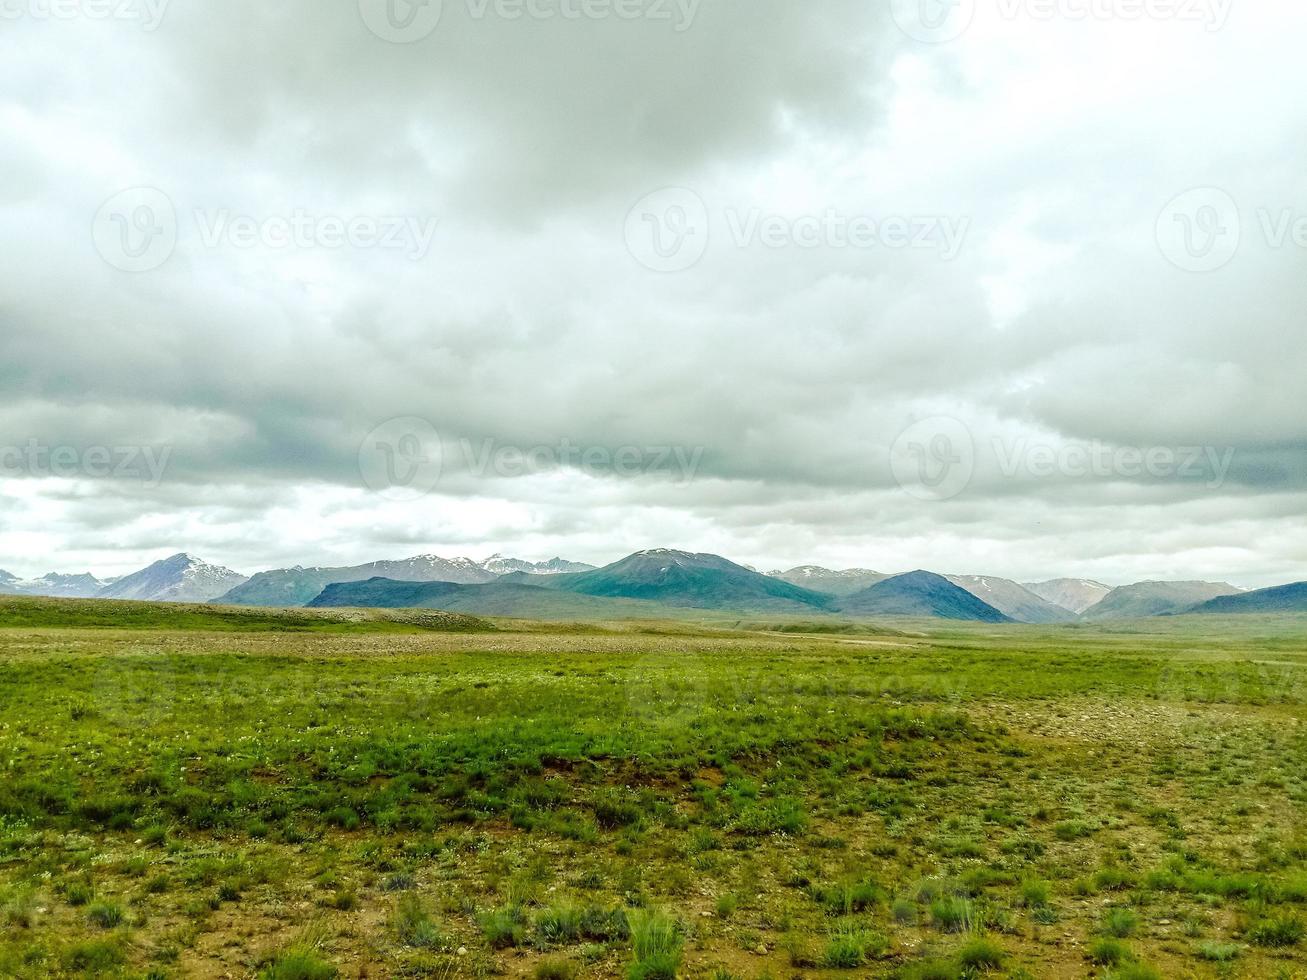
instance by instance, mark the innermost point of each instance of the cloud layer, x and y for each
(777, 280)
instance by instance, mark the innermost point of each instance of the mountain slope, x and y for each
(492, 599)
(920, 594)
(1011, 599)
(841, 583)
(297, 586)
(180, 578)
(1156, 599)
(1282, 598)
(1074, 594)
(678, 578)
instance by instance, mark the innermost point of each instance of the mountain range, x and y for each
(657, 581)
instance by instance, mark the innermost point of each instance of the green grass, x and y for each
(185, 789)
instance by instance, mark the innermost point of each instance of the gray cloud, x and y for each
(788, 372)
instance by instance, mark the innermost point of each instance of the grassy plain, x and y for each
(189, 792)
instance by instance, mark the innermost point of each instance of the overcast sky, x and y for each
(1012, 287)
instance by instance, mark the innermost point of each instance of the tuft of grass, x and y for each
(298, 964)
(413, 926)
(1215, 952)
(658, 945)
(559, 924)
(851, 946)
(1278, 932)
(106, 915)
(93, 956)
(504, 927)
(1109, 952)
(1035, 894)
(952, 914)
(981, 954)
(555, 970)
(1121, 923)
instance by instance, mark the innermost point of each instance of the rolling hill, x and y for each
(181, 578)
(1283, 598)
(920, 594)
(840, 583)
(1073, 594)
(299, 586)
(1145, 599)
(679, 578)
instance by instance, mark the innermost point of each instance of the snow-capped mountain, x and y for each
(1075, 594)
(845, 582)
(499, 565)
(58, 586)
(181, 578)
